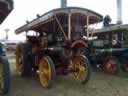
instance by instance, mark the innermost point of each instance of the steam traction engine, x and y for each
(110, 50)
(54, 43)
(6, 7)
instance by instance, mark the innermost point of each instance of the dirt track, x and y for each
(99, 85)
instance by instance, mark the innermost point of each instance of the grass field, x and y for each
(100, 85)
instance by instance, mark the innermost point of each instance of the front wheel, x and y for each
(4, 75)
(111, 65)
(46, 72)
(81, 69)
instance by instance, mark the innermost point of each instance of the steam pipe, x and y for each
(119, 11)
(63, 3)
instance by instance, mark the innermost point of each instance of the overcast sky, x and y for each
(27, 10)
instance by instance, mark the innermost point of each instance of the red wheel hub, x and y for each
(110, 65)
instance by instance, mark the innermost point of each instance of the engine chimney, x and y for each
(119, 11)
(63, 3)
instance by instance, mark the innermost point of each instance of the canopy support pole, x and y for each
(61, 27)
(69, 26)
(87, 27)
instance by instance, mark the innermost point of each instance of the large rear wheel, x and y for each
(81, 69)
(4, 75)
(24, 60)
(46, 71)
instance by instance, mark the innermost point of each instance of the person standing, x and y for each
(106, 21)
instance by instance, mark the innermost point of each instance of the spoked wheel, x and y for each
(46, 71)
(19, 59)
(1, 78)
(111, 65)
(23, 60)
(81, 69)
(4, 75)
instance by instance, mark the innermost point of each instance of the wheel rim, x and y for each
(79, 65)
(110, 65)
(1, 78)
(19, 60)
(44, 72)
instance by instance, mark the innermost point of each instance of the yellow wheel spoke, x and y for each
(45, 73)
(80, 67)
(19, 59)
(76, 76)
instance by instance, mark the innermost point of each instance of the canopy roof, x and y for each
(6, 7)
(62, 15)
(112, 28)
